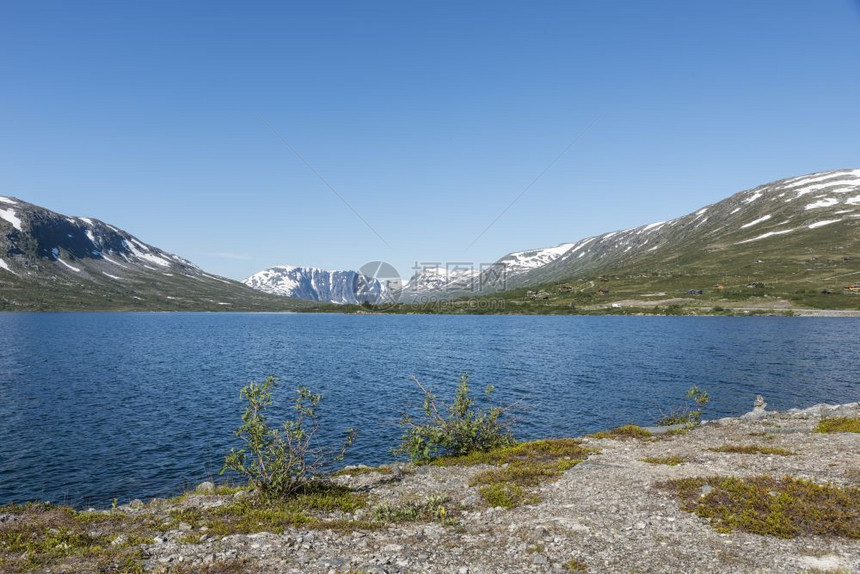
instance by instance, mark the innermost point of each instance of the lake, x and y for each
(97, 406)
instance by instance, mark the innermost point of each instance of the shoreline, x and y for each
(610, 512)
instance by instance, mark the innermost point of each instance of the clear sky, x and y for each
(428, 118)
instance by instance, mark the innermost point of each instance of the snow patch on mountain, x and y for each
(5, 266)
(12, 217)
(824, 202)
(818, 224)
(756, 221)
(766, 235)
(72, 267)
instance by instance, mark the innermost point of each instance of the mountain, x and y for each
(53, 261)
(802, 232)
(312, 284)
(785, 219)
(457, 280)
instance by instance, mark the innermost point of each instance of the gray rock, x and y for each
(205, 487)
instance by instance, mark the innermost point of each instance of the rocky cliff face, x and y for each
(312, 284)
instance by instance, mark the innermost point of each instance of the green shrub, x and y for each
(455, 429)
(691, 413)
(280, 462)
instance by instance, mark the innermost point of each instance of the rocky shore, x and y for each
(612, 512)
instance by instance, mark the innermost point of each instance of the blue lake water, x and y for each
(125, 405)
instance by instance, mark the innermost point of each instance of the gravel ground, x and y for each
(606, 513)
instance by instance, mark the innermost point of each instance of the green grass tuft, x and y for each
(840, 424)
(623, 432)
(507, 495)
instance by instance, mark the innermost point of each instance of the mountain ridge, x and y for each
(50, 260)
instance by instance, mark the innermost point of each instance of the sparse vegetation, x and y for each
(623, 432)
(308, 507)
(43, 536)
(433, 507)
(519, 467)
(574, 565)
(839, 424)
(361, 470)
(752, 449)
(280, 462)
(671, 460)
(454, 429)
(691, 413)
(784, 508)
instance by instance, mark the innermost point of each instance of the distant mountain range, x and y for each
(312, 284)
(53, 261)
(784, 219)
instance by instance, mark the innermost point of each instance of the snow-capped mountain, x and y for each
(787, 214)
(50, 259)
(443, 281)
(796, 210)
(312, 284)
(439, 279)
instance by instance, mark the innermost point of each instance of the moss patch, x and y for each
(522, 466)
(784, 508)
(507, 495)
(546, 450)
(46, 537)
(839, 424)
(623, 432)
(752, 449)
(672, 460)
(574, 565)
(309, 508)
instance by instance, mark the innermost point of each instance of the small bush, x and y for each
(839, 424)
(280, 462)
(454, 429)
(691, 413)
(433, 507)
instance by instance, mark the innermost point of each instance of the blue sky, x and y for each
(428, 118)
